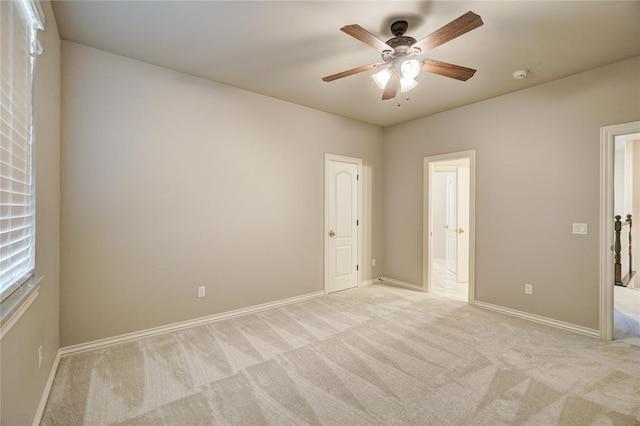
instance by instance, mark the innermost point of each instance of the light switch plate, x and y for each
(580, 228)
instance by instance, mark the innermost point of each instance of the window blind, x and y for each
(17, 209)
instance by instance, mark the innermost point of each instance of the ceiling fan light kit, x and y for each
(407, 84)
(403, 56)
(382, 77)
(409, 70)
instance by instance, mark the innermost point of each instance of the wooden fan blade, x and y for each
(448, 70)
(349, 72)
(391, 89)
(453, 29)
(356, 31)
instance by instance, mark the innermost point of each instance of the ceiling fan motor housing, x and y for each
(400, 44)
(398, 28)
(401, 41)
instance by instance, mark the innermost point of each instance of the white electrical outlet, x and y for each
(579, 228)
(373, 262)
(40, 357)
(201, 291)
(528, 288)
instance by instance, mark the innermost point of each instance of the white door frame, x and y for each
(427, 225)
(607, 147)
(357, 161)
(461, 237)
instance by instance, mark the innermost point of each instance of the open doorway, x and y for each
(608, 267)
(626, 209)
(449, 217)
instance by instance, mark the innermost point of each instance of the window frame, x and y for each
(30, 19)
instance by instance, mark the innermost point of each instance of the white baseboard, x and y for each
(68, 350)
(539, 319)
(402, 283)
(369, 282)
(47, 390)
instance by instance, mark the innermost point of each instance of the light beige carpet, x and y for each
(378, 355)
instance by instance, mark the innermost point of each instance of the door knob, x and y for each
(332, 233)
(460, 231)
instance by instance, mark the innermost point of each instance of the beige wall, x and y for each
(170, 182)
(22, 382)
(537, 172)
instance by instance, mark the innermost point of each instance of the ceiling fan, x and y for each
(403, 58)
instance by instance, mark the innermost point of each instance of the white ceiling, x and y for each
(282, 49)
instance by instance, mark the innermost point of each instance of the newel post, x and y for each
(630, 257)
(617, 248)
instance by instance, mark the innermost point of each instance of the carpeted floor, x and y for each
(376, 355)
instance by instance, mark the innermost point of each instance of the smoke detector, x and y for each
(520, 74)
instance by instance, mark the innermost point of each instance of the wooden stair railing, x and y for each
(620, 233)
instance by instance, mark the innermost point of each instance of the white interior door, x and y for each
(462, 222)
(341, 233)
(451, 237)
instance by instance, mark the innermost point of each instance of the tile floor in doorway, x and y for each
(626, 315)
(444, 282)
